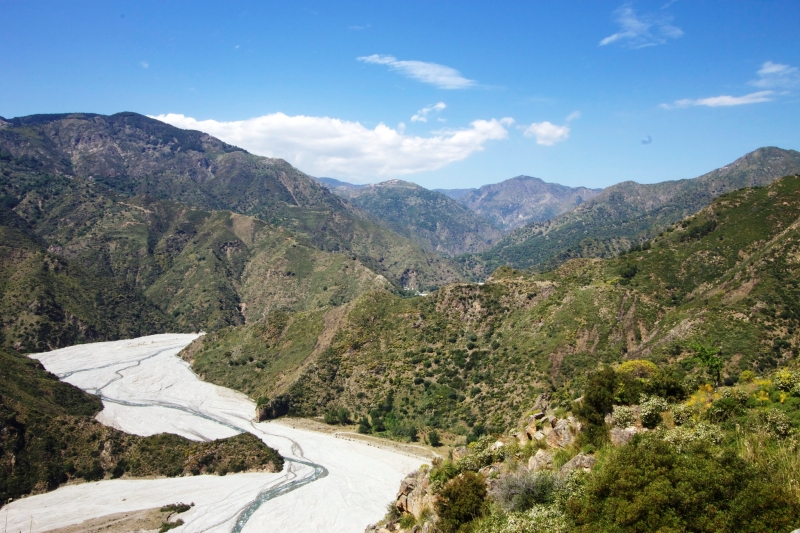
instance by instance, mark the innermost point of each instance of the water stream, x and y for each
(292, 482)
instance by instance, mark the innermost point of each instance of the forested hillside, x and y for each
(627, 214)
(478, 355)
(437, 222)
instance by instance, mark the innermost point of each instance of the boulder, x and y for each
(460, 453)
(542, 460)
(497, 445)
(542, 402)
(580, 461)
(621, 437)
(562, 435)
(539, 436)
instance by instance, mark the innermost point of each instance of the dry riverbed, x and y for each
(330, 482)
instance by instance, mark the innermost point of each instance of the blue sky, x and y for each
(445, 94)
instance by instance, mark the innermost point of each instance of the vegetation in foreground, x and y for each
(719, 459)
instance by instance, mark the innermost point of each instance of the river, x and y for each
(327, 484)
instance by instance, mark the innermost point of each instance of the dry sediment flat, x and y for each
(145, 521)
(328, 484)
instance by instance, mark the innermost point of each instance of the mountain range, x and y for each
(322, 298)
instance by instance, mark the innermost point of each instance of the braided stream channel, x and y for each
(292, 464)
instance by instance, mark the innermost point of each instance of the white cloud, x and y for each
(325, 146)
(723, 100)
(575, 115)
(144, 64)
(640, 31)
(547, 133)
(775, 75)
(441, 76)
(422, 114)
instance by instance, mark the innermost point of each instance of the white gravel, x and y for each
(146, 390)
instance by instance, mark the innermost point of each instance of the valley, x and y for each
(146, 390)
(503, 337)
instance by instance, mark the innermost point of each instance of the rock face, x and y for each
(413, 496)
(541, 461)
(276, 407)
(620, 437)
(582, 461)
(556, 433)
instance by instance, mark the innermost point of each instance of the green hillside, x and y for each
(49, 302)
(626, 214)
(133, 155)
(437, 222)
(480, 354)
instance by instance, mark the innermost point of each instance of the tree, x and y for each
(461, 500)
(708, 358)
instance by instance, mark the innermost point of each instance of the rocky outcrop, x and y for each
(414, 497)
(620, 436)
(274, 408)
(581, 461)
(542, 460)
(556, 433)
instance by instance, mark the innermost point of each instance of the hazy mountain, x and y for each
(432, 219)
(455, 194)
(518, 201)
(135, 155)
(628, 213)
(332, 183)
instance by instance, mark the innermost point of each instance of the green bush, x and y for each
(522, 491)
(331, 417)
(461, 500)
(166, 526)
(651, 486)
(434, 439)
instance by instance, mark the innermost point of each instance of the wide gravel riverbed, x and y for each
(327, 484)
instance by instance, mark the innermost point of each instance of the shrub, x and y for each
(522, 491)
(461, 500)
(166, 526)
(681, 413)
(364, 425)
(434, 439)
(776, 422)
(598, 401)
(176, 508)
(786, 380)
(683, 438)
(747, 376)
(343, 416)
(443, 471)
(637, 368)
(651, 408)
(407, 521)
(330, 417)
(623, 416)
(540, 519)
(650, 486)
